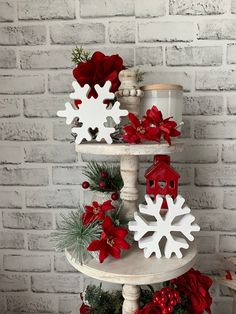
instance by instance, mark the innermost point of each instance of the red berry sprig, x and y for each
(166, 299)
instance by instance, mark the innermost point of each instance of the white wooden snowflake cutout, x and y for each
(177, 220)
(92, 112)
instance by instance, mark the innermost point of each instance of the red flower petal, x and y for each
(122, 244)
(107, 225)
(134, 120)
(88, 208)
(119, 232)
(107, 205)
(115, 252)
(87, 218)
(95, 245)
(95, 204)
(103, 254)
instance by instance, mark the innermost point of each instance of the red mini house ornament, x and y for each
(161, 178)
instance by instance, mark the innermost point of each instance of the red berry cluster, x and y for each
(166, 299)
(102, 184)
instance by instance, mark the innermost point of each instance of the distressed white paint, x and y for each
(92, 113)
(164, 227)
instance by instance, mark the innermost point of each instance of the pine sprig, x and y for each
(74, 236)
(139, 76)
(80, 55)
(103, 302)
(113, 182)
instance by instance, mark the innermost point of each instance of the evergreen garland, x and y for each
(112, 180)
(103, 302)
(79, 55)
(146, 295)
(74, 236)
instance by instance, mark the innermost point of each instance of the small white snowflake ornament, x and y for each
(92, 112)
(177, 220)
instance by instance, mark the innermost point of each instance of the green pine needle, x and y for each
(80, 55)
(104, 302)
(114, 182)
(74, 236)
(139, 75)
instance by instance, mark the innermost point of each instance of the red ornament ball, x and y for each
(176, 294)
(162, 305)
(162, 292)
(170, 309)
(173, 302)
(85, 185)
(170, 295)
(104, 174)
(102, 185)
(163, 299)
(115, 196)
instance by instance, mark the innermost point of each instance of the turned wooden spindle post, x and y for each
(129, 95)
(131, 295)
(129, 193)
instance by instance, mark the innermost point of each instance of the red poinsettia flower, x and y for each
(98, 70)
(196, 287)
(139, 130)
(167, 128)
(96, 211)
(112, 240)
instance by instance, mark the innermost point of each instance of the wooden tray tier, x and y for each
(134, 269)
(121, 149)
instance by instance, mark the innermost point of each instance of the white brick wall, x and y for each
(186, 42)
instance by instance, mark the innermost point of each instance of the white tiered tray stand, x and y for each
(133, 269)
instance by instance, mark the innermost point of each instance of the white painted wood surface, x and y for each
(174, 231)
(122, 149)
(92, 113)
(134, 269)
(129, 94)
(131, 296)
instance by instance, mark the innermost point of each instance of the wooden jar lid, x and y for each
(162, 87)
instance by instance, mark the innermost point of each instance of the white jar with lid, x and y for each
(168, 98)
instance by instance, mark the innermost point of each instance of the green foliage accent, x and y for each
(139, 76)
(80, 55)
(74, 236)
(182, 307)
(93, 172)
(104, 302)
(146, 296)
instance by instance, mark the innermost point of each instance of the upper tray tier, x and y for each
(134, 269)
(129, 149)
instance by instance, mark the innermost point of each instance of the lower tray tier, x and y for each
(134, 269)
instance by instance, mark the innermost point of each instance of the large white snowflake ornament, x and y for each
(177, 221)
(92, 112)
